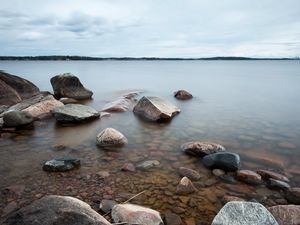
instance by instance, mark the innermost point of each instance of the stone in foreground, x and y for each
(286, 214)
(189, 173)
(201, 148)
(135, 214)
(73, 113)
(185, 187)
(17, 118)
(183, 95)
(155, 109)
(68, 85)
(226, 161)
(110, 137)
(61, 164)
(58, 210)
(244, 213)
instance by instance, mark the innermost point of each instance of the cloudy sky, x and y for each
(162, 28)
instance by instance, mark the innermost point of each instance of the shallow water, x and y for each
(250, 107)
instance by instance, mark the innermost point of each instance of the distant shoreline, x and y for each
(86, 58)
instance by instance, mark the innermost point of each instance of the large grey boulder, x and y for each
(201, 148)
(17, 118)
(58, 210)
(14, 89)
(74, 113)
(244, 213)
(110, 137)
(155, 109)
(135, 214)
(68, 85)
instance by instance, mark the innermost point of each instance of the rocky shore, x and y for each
(262, 196)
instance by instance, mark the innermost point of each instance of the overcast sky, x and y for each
(162, 28)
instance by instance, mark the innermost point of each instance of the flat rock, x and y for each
(185, 187)
(286, 214)
(58, 210)
(189, 173)
(249, 176)
(71, 113)
(201, 148)
(17, 118)
(14, 89)
(266, 174)
(293, 195)
(226, 161)
(244, 213)
(277, 184)
(111, 137)
(135, 214)
(155, 109)
(148, 164)
(182, 95)
(61, 164)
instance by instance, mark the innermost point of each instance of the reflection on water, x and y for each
(250, 107)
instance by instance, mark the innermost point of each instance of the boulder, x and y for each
(201, 148)
(249, 177)
(185, 187)
(155, 109)
(14, 89)
(286, 214)
(68, 85)
(148, 164)
(74, 113)
(244, 213)
(110, 137)
(189, 173)
(135, 214)
(61, 164)
(122, 104)
(226, 161)
(182, 95)
(58, 210)
(293, 195)
(266, 174)
(17, 118)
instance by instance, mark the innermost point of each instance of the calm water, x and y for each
(250, 107)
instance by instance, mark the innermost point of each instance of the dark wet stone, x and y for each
(249, 176)
(293, 195)
(155, 109)
(68, 85)
(266, 174)
(286, 214)
(17, 118)
(61, 164)
(277, 184)
(172, 219)
(201, 148)
(226, 161)
(182, 95)
(189, 173)
(185, 187)
(228, 179)
(107, 205)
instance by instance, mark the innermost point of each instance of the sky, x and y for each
(150, 28)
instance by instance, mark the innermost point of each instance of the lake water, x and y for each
(250, 107)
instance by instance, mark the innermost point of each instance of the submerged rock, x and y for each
(293, 195)
(189, 173)
(182, 95)
(185, 186)
(68, 85)
(155, 109)
(201, 148)
(226, 161)
(61, 164)
(148, 164)
(17, 118)
(218, 172)
(277, 184)
(135, 214)
(74, 113)
(122, 104)
(244, 213)
(14, 89)
(58, 210)
(128, 167)
(266, 174)
(286, 214)
(110, 137)
(249, 176)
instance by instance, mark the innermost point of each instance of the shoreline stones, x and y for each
(128, 167)
(266, 174)
(135, 214)
(286, 214)
(277, 184)
(189, 173)
(122, 104)
(111, 137)
(201, 148)
(185, 187)
(183, 95)
(244, 213)
(17, 118)
(68, 85)
(226, 161)
(61, 164)
(74, 113)
(293, 195)
(148, 164)
(155, 109)
(249, 177)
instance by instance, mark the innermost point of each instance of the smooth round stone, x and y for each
(17, 118)
(249, 176)
(111, 137)
(218, 172)
(61, 164)
(189, 173)
(201, 148)
(183, 95)
(226, 161)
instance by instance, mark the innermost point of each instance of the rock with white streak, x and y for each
(111, 137)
